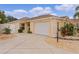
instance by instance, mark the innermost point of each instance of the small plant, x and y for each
(29, 31)
(77, 28)
(63, 31)
(7, 31)
(20, 30)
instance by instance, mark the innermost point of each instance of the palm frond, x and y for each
(77, 8)
(76, 15)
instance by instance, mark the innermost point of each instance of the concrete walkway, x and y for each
(28, 44)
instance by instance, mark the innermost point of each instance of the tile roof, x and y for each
(43, 16)
(74, 20)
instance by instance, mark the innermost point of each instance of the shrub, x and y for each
(63, 31)
(68, 29)
(20, 30)
(7, 31)
(29, 31)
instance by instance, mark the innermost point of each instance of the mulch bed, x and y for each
(6, 36)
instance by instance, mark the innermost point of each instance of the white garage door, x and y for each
(42, 28)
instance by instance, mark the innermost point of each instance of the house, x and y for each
(44, 25)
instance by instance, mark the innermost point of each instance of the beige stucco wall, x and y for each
(52, 29)
(3, 26)
(14, 28)
(32, 26)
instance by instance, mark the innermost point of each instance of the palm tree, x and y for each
(76, 15)
(77, 8)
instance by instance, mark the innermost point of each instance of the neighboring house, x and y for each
(44, 25)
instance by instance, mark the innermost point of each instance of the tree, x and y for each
(11, 18)
(77, 8)
(2, 17)
(76, 15)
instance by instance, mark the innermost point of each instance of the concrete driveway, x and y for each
(28, 44)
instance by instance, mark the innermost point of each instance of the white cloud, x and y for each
(17, 13)
(66, 7)
(20, 11)
(36, 11)
(40, 11)
(30, 13)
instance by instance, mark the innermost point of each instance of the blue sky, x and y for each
(33, 10)
(23, 6)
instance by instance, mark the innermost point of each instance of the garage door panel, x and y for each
(42, 28)
(46, 29)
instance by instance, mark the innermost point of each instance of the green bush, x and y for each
(68, 29)
(63, 31)
(20, 30)
(29, 31)
(7, 31)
